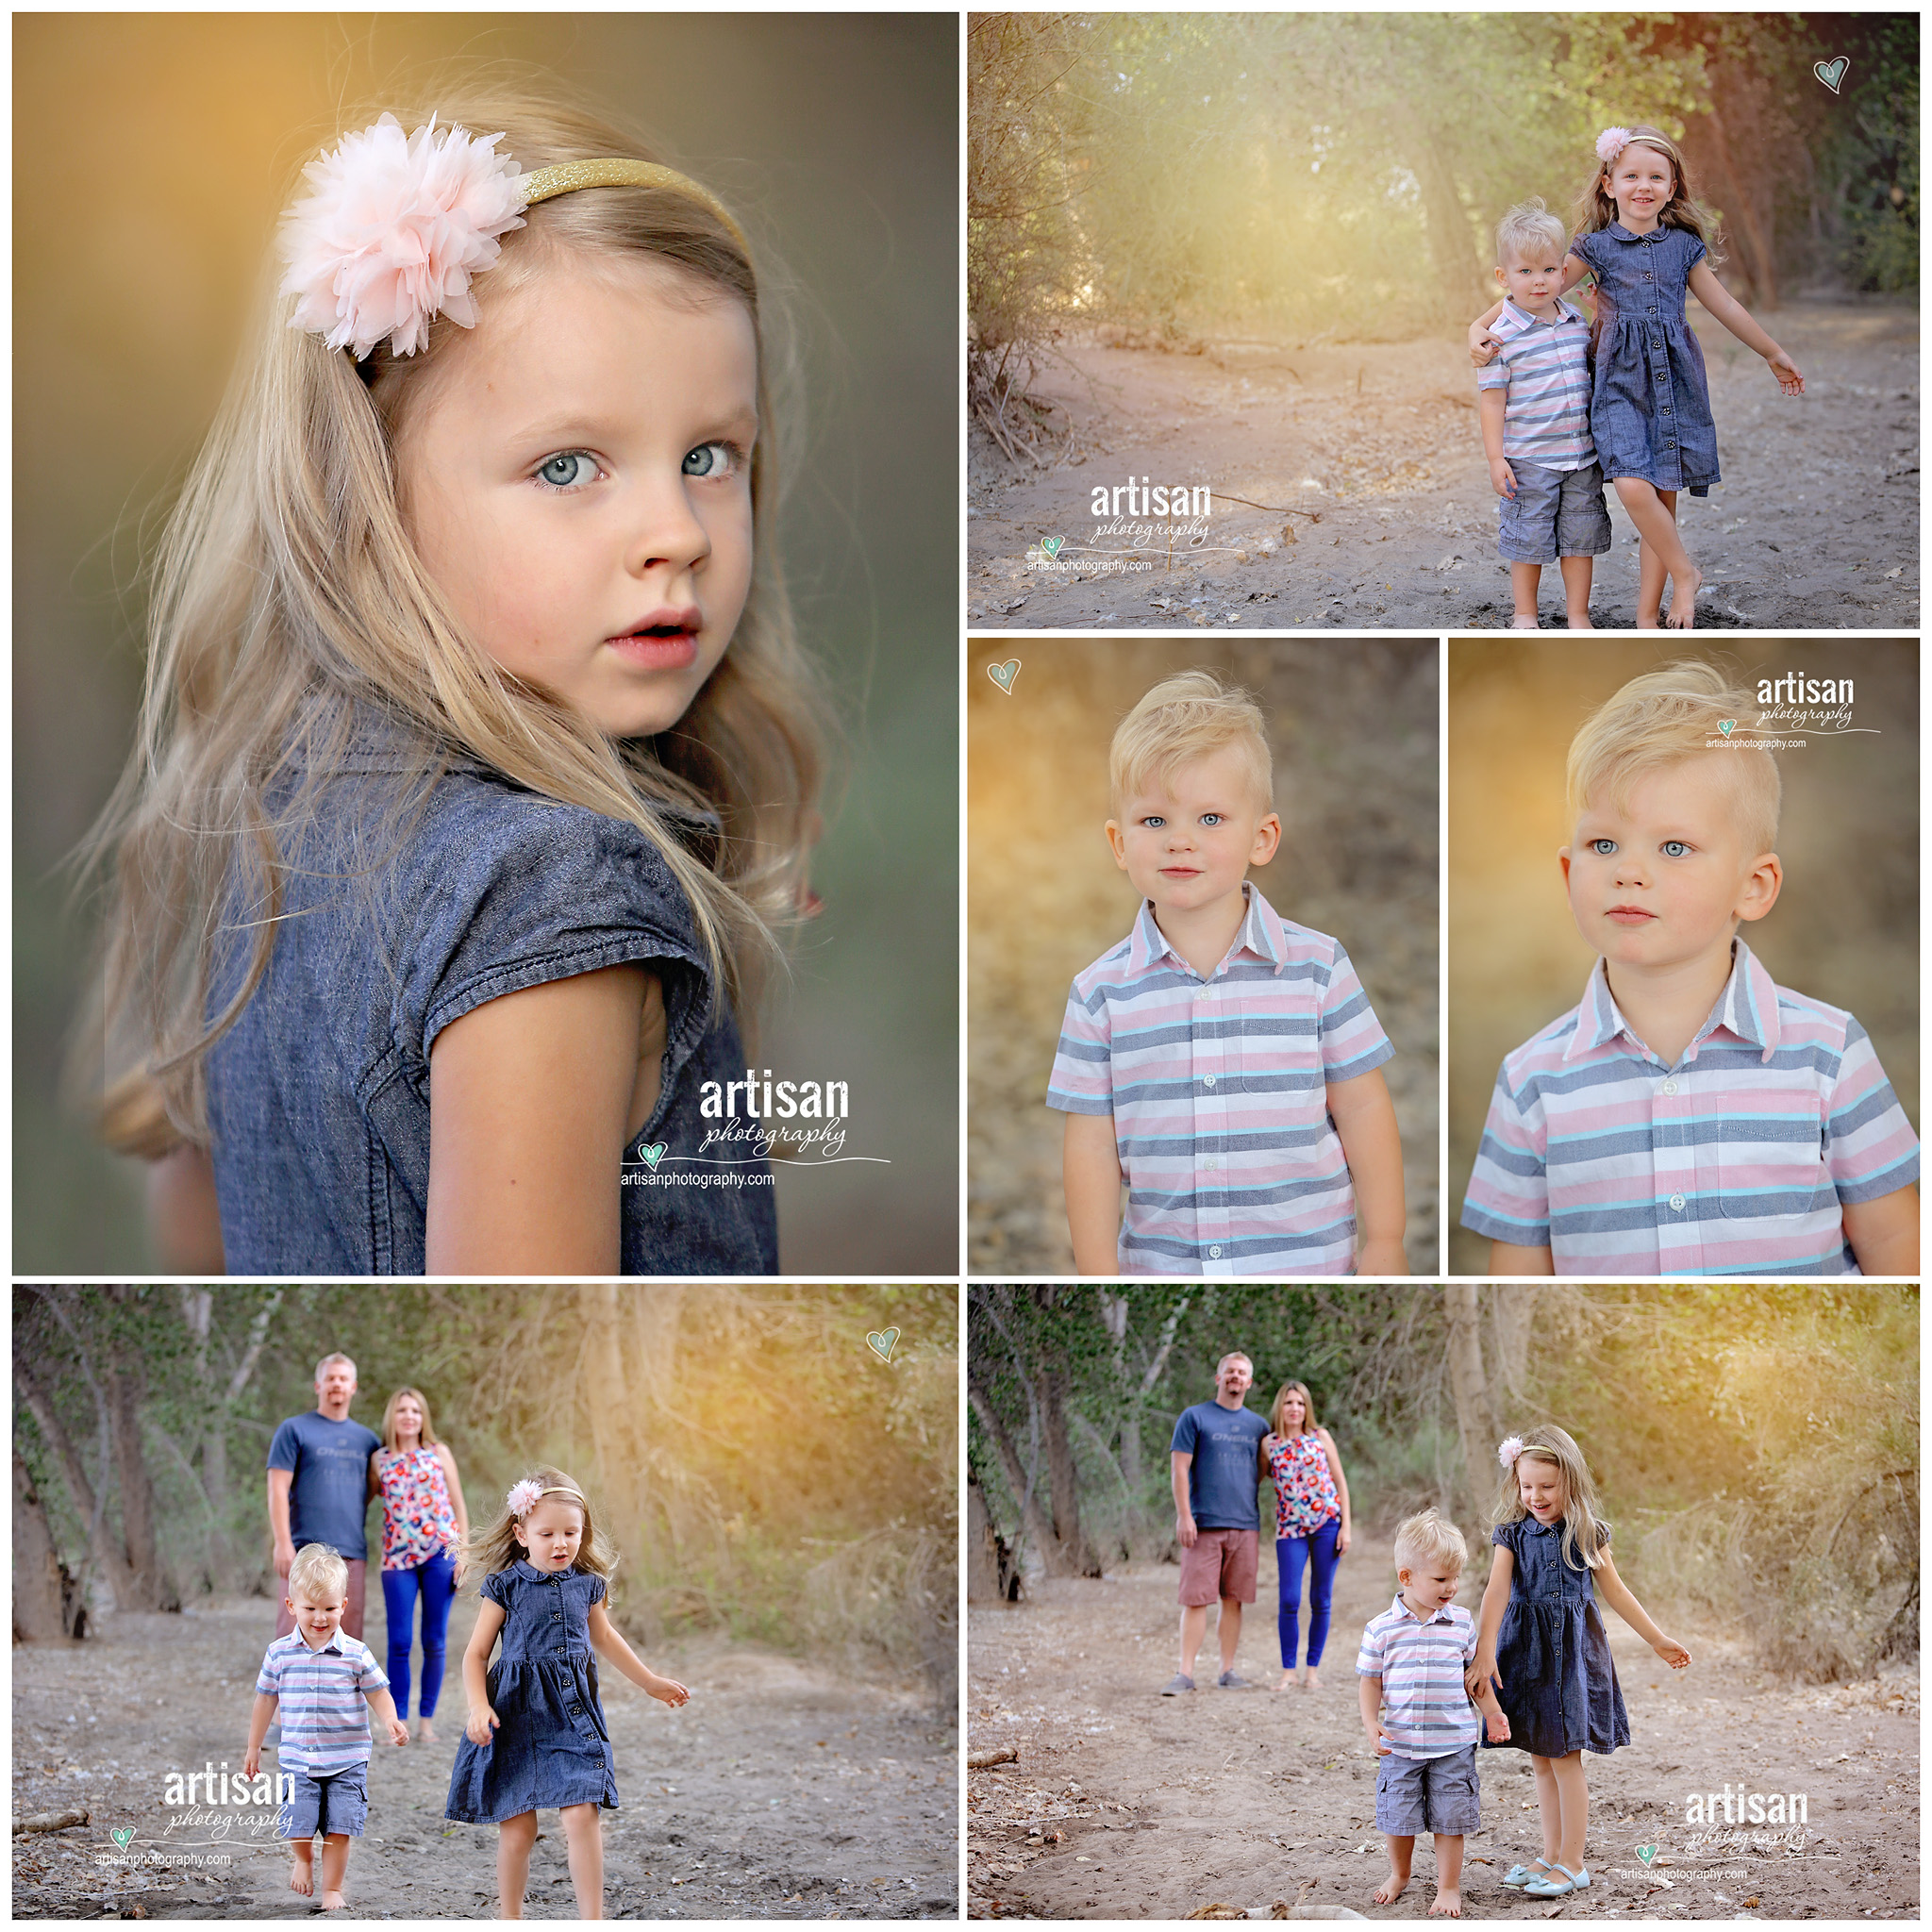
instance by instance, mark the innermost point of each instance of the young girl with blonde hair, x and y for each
(475, 771)
(536, 1734)
(1642, 233)
(1544, 1645)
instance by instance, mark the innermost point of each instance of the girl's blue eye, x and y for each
(1603, 847)
(560, 471)
(710, 459)
(1674, 848)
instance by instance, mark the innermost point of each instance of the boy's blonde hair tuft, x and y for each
(318, 1574)
(290, 609)
(1662, 718)
(1585, 1532)
(1183, 719)
(495, 1546)
(1426, 1534)
(1530, 222)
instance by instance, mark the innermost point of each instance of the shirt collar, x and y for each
(335, 1643)
(1516, 322)
(1746, 1008)
(1408, 1616)
(1624, 234)
(1259, 935)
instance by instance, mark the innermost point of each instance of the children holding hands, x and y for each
(1417, 1714)
(319, 1678)
(1221, 1059)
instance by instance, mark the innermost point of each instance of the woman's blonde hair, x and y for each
(1663, 718)
(495, 1547)
(1596, 208)
(1281, 1395)
(1585, 1532)
(290, 611)
(1183, 718)
(388, 1419)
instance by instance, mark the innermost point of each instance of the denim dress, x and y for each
(1560, 1687)
(1650, 402)
(318, 1096)
(551, 1746)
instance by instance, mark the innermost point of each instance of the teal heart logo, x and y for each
(1051, 546)
(124, 1837)
(1727, 726)
(652, 1155)
(1003, 675)
(880, 1341)
(1831, 72)
(1646, 1853)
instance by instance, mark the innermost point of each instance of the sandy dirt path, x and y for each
(1816, 526)
(780, 1791)
(1128, 1805)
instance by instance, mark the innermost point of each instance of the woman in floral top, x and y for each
(1311, 1522)
(424, 1524)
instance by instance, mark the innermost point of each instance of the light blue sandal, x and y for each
(1521, 1874)
(1550, 1885)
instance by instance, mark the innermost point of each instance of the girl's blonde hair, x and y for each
(1596, 208)
(1281, 1395)
(290, 609)
(388, 1419)
(1183, 718)
(1663, 718)
(496, 1547)
(1585, 1532)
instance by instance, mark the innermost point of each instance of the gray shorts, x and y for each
(337, 1803)
(1417, 1795)
(1553, 513)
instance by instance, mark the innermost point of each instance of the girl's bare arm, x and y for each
(183, 1219)
(1737, 318)
(477, 1658)
(607, 1640)
(530, 1096)
(1495, 1601)
(1616, 1592)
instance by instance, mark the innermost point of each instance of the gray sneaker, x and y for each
(1179, 1685)
(1229, 1681)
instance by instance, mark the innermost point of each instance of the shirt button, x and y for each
(1211, 1162)
(1214, 1254)
(1677, 1202)
(1670, 1085)
(1208, 1079)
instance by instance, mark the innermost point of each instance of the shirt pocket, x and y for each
(1773, 1160)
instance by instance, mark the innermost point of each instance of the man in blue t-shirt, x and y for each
(318, 1486)
(1217, 1471)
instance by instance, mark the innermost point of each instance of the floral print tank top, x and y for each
(417, 1520)
(1304, 1496)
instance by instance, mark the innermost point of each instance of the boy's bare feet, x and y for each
(1391, 1888)
(1581, 623)
(1448, 1904)
(301, 1874)
(334, 1902)
(1683, 615)
(1523, 621)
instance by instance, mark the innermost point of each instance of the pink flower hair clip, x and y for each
(523, 1498)
(395, 228)
(1610, 143)
(1507, 1450)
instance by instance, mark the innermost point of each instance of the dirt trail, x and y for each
(1815, 528)
(779, 1792)
(1149, 1807)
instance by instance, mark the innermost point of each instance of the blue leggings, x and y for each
(438, 1581)
(1290, 1553)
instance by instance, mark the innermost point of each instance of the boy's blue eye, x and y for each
(1603, 847)
(1211, 818)
(1674, 848)
(560, 471)
(710, 459)
(1154, 820)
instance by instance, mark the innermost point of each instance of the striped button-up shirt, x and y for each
(324, 1721)
(1425, 1711)
(1544, 367)
(1734, 1161)
(1218, 1089)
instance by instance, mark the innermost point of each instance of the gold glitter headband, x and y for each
(567, 176)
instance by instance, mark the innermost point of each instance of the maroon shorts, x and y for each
(352, 1612)
(1220, 1564)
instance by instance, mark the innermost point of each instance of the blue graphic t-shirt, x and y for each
(1224, 1476)
(329, 1497)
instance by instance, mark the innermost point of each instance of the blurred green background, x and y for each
(1353, 734)
(1845, 928)
(152, 155)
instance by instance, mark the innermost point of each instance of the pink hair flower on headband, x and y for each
(1507, 1450)
(523, 1498)
(392, 231)
(1610, 143)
